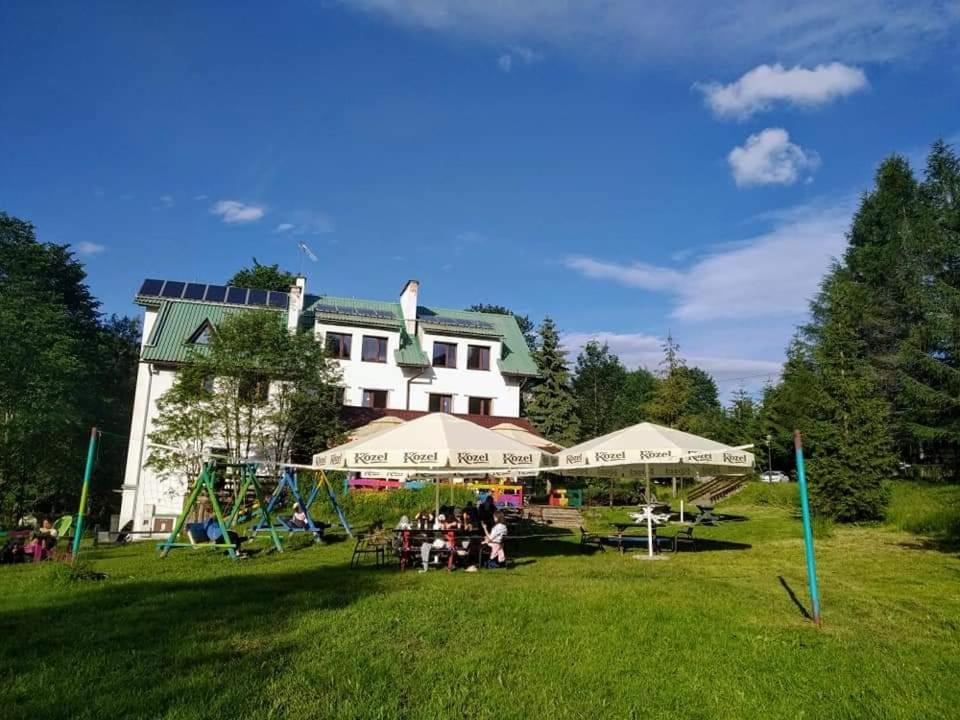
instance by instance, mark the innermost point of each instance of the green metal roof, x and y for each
(410, 353)
(176, 323)
(516, 358)
(178, 320)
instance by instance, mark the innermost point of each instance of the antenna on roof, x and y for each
(304, 250)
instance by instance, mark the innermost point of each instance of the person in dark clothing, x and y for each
(487, 508)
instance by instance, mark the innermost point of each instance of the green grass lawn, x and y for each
(713, 634)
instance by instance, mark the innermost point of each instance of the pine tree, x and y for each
(552, 408)
(849, 429)
(929, 359)
(675, 390)
(597, 382)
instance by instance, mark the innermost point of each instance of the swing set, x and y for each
(289, 483)
(262, 509)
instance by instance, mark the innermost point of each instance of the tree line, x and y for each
(872, 380)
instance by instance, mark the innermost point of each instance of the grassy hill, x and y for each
(715, 634)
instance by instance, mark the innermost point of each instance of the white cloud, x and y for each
(664, 30)
(89, 248)
(234, 212)
(505, 62)
(774, 274)
(200, 197)
(759, 89)
(306, 222)
(166, 201)
(770, 158)
(637, 274)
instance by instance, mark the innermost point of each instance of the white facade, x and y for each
(152, 503)
(409, 388)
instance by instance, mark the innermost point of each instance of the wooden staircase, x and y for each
(713, 491)
(555, 516)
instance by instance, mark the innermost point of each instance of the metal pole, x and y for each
(87, 473)
(807, 529)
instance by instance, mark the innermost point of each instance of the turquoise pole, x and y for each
(91, 453)
(807, 529)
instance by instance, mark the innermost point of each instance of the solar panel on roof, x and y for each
(194, 291)
(216, 293)
(237, 296)
(278, 299)
(257, 297)
(460, 322)
(172, 289)
(151, 287)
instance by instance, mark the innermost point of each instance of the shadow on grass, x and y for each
(948, 545)
(793, 597)
(161, 647)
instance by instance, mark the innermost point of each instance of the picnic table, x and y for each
(409, 542)
(706, 516)
(623, 538)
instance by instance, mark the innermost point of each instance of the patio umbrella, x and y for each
(372, 428)
(436, 445)
(657, 450)
(517, 433)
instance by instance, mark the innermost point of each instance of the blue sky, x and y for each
(627, 168)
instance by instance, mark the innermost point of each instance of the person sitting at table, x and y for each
(438, 543)
(486, 510)
(494, 538)
(423, 520)
(43, 540)
(470, 519)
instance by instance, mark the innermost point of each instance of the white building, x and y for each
(398, 358)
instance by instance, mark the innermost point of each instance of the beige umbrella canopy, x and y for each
(656, 451)
(436, 444)
(668, 452)
(517, 433)
(372, 428)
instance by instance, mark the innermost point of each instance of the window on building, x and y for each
(338, 345)
(441, 403)
(209, 384)
(375, 399)
(478, 357)
(480, 406)
(201, 336)
(254, 389)
(374, 349)
(444, 355)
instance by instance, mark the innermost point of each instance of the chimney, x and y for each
(408, 305)
(295, 306)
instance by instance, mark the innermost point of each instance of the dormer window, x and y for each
(202, 335)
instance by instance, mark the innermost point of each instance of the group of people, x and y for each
(35, 545)
(462, 529)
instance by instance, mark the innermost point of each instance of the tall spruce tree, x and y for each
(928, 400)
(674, 392)
(849, 429)
(552, 408)
(597, 382)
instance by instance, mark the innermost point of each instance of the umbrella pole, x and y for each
(647, 467)
(436, 509)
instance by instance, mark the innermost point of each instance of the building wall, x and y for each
(148, 498)
(459, 382)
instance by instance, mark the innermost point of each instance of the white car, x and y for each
(774, 476)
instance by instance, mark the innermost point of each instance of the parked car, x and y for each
(774, 476)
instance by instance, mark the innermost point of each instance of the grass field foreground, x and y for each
(716, 634)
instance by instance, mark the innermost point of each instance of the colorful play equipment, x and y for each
(206, 483)
(566, 497)
(289, 484)
(367, 484)
(504, 494)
